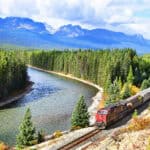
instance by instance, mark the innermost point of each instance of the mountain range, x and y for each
(27, 33)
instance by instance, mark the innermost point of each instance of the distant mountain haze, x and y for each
(28, 33)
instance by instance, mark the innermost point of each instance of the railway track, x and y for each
(79, 140)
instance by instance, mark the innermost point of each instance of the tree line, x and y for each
(13, 73)
(121, 67)
(96, 66)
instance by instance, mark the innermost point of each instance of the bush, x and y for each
(57, 134)
(135, 114)
(140, 98)
(138, 123)
(134, 90)
(3, 146)
(126, 91)
(75, 128)
(34, 142)
(40, 137)
(145, 84)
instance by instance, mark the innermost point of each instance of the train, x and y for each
(111, 114)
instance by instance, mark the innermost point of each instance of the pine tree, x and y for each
(120, 84)
(145, 84)
(80, 115)
(130, 77)
(113, 93)
(26, 131)
(126, 91)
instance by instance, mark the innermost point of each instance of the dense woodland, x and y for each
(99, 67)
(102, 67)
(13, 73)
(146, 57)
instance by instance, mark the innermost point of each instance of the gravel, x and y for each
(57, 143)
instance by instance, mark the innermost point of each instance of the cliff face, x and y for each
(133, 136)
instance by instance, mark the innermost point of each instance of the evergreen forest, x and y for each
(13, 73)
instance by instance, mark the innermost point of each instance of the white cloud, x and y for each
(119, 15)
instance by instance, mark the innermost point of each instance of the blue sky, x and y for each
(129, 16)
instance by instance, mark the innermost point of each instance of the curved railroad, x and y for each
(111, 114)
(79, 140)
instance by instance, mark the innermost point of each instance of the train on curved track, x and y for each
(111, 114)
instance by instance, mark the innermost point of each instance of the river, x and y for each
(51, 101)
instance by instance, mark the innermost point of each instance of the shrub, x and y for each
(145, 84)
(140, 98)
(126, 91)
(3, 146)
(138, 123)
(34, 142)
(135, 114)
(57, 134)
(134, 90)
(40, 137)
(75, 128)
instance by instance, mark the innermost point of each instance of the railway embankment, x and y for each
(129, 136)
(57, 143)
(134, 135)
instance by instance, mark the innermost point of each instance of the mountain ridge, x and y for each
(28, 33)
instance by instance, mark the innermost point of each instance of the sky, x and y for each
(128, 16)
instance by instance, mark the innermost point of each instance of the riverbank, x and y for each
(16, 95)
(96, 99)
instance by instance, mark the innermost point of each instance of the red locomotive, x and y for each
(108, 115)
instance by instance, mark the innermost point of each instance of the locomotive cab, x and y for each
(101, 118)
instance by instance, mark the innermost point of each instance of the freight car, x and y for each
(111, 114)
